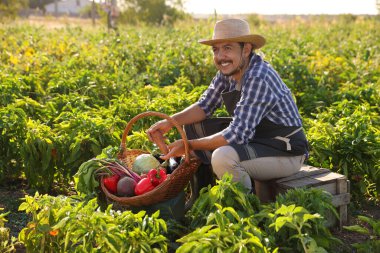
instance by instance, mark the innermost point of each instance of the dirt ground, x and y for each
(11, 197)
(347, 237)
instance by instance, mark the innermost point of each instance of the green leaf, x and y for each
(112, 243)
(358, 229)
(281, 221)
(24, 207)
(309, 216)
(62, 223)
(196, 234)
(232, 211)
(285, 209)
(44, 228)
(189, 247)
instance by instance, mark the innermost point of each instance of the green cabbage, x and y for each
(144, 163)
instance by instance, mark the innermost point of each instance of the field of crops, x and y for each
(67, 94)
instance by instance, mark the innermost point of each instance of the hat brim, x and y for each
(257, 40)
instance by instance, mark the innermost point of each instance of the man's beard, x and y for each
(237, 70)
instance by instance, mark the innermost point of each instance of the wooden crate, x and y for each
(335, 183)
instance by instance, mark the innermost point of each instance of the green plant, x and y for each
(226, 194)
(6, 242)
(225, 231)
(70, 224)
(370, 228)
(13, 122)
(38, 156)
(226, 214)
(297, 218)
(314, 201)
(346, 139)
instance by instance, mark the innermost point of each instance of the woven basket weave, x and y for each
(174, 183)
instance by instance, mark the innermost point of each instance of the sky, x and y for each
(272, 7)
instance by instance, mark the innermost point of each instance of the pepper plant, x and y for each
(225, 231)
(71, 224)
(370, 227)
(296, 218)
(7, 243)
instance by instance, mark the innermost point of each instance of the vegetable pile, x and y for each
(147, 172)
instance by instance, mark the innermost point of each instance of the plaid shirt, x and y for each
(263, 95)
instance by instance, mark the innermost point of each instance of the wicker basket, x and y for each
(174, 183)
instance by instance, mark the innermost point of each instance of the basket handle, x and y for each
(160, 115)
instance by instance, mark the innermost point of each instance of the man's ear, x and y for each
(247, 49)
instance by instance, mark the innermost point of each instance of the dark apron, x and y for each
(270, 139)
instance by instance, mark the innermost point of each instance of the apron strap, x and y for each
(294, 132)
(286, 138)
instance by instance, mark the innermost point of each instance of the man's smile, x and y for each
(224, 63)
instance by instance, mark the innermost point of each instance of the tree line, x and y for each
(131, 11)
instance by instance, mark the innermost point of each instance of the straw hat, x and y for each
(236, 30)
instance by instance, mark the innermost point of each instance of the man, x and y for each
(263, 139)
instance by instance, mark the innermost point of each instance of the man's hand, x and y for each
(159, 139)
(162, 127)
(155, 133)
(176, 149)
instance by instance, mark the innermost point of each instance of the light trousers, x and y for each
(226, 160)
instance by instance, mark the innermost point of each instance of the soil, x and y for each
(12, 194)
(347, 237)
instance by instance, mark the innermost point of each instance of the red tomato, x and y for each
(143, 186)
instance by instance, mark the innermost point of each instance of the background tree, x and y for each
(10, 8)
(152, 11)
(34, 4)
